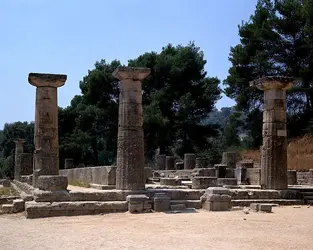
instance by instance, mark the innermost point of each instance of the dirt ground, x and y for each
(285, 228)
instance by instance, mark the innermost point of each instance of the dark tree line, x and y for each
(179, 98)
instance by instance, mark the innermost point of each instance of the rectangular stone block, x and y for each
(178, 207)
(18, 205)
(217, 206)
(265, 208)
(254, 206)
(52, 182)
(227, 181)
(275, 115)
(202, 182)
(135, 208)
(161, 202)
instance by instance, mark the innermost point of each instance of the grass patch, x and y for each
(5, 191)
(74, 182)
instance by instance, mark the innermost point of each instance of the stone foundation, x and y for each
(202, 182)
(104, 175)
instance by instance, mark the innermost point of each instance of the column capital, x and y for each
(47, 80)
(19, 141)
(131, 73)
(273, 82)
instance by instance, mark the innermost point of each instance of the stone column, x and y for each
(69, 163)
(130, 141)
(189, 161)
(161, 162)
(292, 177)
(18, 163)
(46, 122)
(229, 159)
(170, 163)
(274, 148)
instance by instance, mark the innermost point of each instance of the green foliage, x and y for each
(277, 40)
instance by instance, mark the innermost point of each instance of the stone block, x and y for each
(161, 202)
(18, 205)
(254, 206)
(220, 170)
(241, 173)
(189, 161)
(217, 206)
(148, 173)
(51, 196)
(137, 198)
(253, 176)
(292, 177)
(7, 208)
(209, 172)
(170, 181)
(202, 182)
(52, 182)
(201, 163)
(230, 159)
(135, 208)
(180, 165)
(218, 190)
(5, 183)
(265, 208)
(227, 181)
(178, 207)
(27, 179)
(246, 164)
(230, 173)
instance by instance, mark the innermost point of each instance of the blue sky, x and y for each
(68, 36)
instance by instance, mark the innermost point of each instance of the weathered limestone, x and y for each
(229, 159)
(170, 163)
(220, 170)
(69, 163)
(161, 202)
(18, 164)
(261, 207)
(292, 177)
(46, 154)
(311, 177)
(161, 162)
(26, 164)
(189, 161)
(274, 148)
(227, 181)
(241, 175)
(130, 141)
(179, 165)
(216, 199)
(201, 163)
(203, 182)
(138, 203)
(170, 181)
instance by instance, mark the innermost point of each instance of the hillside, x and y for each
(300, 154)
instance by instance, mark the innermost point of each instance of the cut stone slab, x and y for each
(52, 182)
(177, 207)
(102, 187)
(281, 202)
(202, 182)
(196, 204)
(161, 202)
(47, 209)
(267, 208)
(18, 206)
(170, 181)
(7, 208)
(227, 181)
(254, 206)
(51, 196)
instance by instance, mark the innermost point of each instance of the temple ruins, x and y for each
(171, 184)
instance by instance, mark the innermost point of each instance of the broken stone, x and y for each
(7, 208)
(18, 205)
(265, 208)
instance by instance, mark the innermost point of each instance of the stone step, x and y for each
(188, 203)
(307, 193)
(47, 209)
(308, 197)
(7, 208)
(246, 203)
(177, 207)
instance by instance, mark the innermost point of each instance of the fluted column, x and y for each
(46, 156)
(274, 133)
(130, 140)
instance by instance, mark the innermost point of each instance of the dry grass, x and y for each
(74, 182)
(5, 191)
(300, 154)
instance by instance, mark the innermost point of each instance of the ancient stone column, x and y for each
(229, 159)
(274, 148)
(46, 154)
(18, 163)
(161, 162)
(130, 141)
(189, 161)
(69, 163)
(170, 163)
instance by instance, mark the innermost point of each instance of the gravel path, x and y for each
(285, 228)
